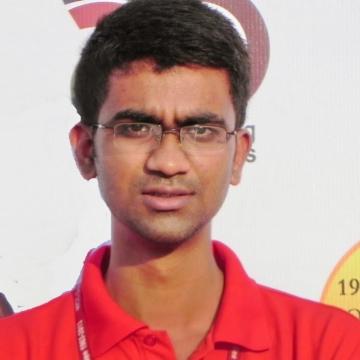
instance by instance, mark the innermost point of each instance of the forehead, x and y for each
(172, 94)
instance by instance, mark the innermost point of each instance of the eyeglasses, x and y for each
(144, 137)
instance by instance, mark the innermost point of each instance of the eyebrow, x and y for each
(136, 116)
(140, 116)
(202, 118)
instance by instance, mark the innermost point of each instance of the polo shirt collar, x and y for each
(106, 323)
(242, 318)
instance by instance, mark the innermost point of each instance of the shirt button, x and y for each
(150, 340)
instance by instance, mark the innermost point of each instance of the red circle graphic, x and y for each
(87, 15)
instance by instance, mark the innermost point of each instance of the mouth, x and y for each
(166, 198)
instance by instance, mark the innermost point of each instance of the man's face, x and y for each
(167, 195)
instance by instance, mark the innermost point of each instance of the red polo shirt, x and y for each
(260, 322)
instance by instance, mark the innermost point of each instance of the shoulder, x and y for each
(41, 315)
(35, 328)
(290, 306)
(331, 330)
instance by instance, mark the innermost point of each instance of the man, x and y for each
(161, 88)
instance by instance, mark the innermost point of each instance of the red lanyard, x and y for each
(83, 346)
(80, 326)
(233, 354)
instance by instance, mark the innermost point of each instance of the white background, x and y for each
(294, 215)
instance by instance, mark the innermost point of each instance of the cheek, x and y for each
(215, 174)
(116, 175)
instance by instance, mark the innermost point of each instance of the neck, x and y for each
(165, 286)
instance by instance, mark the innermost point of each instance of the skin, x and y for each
(167, 255)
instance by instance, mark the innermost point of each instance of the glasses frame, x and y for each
(176, 131)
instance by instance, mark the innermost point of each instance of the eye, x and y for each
(204, 133)
(132, 130)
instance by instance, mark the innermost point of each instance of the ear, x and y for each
(82, 145)
(243, 146)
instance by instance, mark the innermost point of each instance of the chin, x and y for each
(167, 232)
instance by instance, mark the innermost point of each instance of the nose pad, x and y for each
(168, 158)
(175, 131)
(168, 139)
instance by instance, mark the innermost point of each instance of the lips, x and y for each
(166, 198)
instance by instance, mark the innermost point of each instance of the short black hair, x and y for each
(169, 33)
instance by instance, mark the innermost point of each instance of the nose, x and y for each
(168, 159)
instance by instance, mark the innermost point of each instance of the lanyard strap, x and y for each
(82, 341)
(233, 354)
(80, 326)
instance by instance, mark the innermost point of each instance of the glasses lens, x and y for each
(203, 138)
(136, 137)
(144, 137)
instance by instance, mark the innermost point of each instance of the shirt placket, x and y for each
(154, 345)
